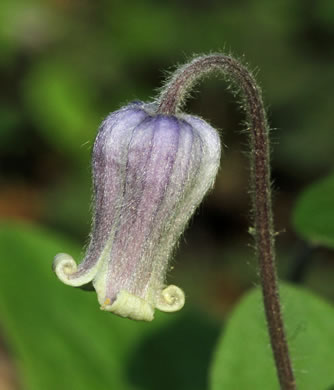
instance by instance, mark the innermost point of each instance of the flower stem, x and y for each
(170, 102)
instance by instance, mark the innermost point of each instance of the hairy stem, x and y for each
(170, 101)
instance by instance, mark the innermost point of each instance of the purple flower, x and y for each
(150, 172)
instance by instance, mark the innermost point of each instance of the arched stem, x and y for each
(169, 103)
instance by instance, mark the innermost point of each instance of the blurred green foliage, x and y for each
(59, 338)
(314, 213)
(59, 104)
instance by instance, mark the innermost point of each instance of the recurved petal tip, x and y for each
(64, 265)
(65, 268)
(172, 298)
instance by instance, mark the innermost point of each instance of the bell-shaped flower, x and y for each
(150, 172)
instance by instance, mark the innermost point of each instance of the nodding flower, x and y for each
(150, 172)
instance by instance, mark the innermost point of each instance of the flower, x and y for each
(150, 172)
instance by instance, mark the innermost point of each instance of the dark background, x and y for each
(65, 64)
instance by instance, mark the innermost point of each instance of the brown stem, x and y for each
(170, 101)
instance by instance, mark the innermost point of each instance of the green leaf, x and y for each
(59, 337)
(61, 340)
(244, 360)
(314, 213)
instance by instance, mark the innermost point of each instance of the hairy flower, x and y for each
(150, 172)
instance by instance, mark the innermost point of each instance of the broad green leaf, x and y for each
(243, 358)
(61, 340)
(59, 337)
(314, 213)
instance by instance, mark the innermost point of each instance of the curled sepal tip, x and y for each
(66, 268)
(171, 299)
(126, 304)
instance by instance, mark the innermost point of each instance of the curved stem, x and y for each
(169, 102)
